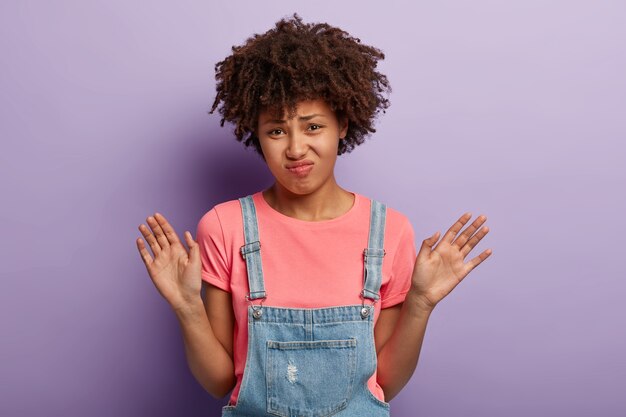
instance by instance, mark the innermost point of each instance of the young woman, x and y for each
(315, 302)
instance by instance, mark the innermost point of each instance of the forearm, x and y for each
(398, 357)
(208, 361)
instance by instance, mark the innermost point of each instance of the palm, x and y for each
(438, 270)
(175, 272)
(172, 272)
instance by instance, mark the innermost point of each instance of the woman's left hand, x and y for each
(438, 270)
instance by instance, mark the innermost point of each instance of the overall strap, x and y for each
(251, 250)
(374, 253)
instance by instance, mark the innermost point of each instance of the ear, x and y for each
(343, 126)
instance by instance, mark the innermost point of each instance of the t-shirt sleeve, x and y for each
(210, 238)
(395, 290)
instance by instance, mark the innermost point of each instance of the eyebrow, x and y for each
(305, 118)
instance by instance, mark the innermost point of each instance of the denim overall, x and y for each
(310, 362)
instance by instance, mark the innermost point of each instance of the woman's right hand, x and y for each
(175, 272)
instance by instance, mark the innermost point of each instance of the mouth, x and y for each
(301, 169)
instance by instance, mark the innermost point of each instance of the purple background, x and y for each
(514, 110)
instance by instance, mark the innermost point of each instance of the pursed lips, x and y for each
(298, 164)
(300, 169)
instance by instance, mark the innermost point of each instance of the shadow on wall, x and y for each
(221, 169)
(227, 172)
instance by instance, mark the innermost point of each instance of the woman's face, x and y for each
(301, 151)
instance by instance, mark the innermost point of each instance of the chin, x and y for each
(301, 190)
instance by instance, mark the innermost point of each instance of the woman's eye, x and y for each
(317, 127)
(275, 132)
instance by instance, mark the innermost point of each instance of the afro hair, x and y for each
(295, 61)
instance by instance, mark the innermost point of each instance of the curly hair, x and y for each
(295, 61)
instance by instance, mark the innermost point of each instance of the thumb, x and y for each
(194, 251)
(427, 244)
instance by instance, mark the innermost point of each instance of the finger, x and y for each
(145, 255)
(167, 228)
(467, 248)
(154, 245)
(467, 233)
(477, 260)
(158, 232)
(456, 227)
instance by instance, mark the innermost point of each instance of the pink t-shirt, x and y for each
(306, 264)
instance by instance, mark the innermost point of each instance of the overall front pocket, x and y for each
(309, 378)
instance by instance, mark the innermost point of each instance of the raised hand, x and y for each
(175, 272)
(438, 270)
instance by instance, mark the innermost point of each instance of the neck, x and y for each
(325, 203)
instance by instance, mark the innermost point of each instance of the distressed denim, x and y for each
(310, 362)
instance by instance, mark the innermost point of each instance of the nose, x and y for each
(297, 146)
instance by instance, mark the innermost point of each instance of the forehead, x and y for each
(303, 108)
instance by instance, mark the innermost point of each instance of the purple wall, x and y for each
(514, 110)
